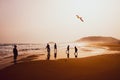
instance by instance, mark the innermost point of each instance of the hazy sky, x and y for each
(55, 20)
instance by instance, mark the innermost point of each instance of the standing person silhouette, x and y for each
(55, 50)
(76, 52)
(15, 53)
(67, 51)
(48, 50)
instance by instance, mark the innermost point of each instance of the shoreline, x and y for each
(43, 55)
(6, 62)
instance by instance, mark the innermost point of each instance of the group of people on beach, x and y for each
(55, 51)
(48, 50)
(15, 52)
(75, 53)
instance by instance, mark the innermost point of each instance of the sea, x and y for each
(84, 50)
(6, 50)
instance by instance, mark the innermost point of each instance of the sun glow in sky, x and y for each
(55, 20)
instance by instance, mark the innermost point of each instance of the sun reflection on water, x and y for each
(84, 50)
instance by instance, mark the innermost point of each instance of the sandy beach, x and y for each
(102, 67)
(59, 39)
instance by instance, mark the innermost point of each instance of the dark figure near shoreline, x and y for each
(15, 53)
(67, 51)
(76, 52)
(55, 50)
(48, 50)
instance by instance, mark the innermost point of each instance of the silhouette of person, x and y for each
(67, 51)
(15, 53)
(76, 52)
(48, 50)
(55, 50)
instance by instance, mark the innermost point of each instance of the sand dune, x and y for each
(99, 39)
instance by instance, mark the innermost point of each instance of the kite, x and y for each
(79, 18)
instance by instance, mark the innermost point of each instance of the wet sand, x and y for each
(8, 61)
(102, 67)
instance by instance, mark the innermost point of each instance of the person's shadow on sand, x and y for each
(55, 55)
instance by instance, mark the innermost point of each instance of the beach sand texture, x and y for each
(102, 67)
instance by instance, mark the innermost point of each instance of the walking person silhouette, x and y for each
(76, 52)
(15, 53)
(48, 50)
(55, 50)
(67, 51)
